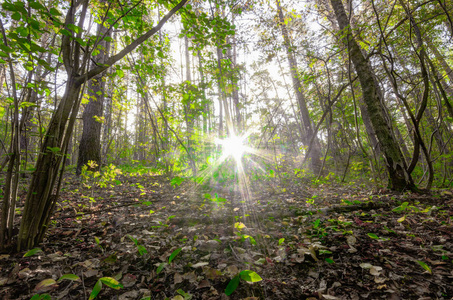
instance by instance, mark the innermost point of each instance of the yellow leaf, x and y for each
(402, 219)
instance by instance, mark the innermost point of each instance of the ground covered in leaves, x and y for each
(158, 241)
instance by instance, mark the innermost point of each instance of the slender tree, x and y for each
(315, 153)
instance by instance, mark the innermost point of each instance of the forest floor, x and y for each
(305, 242)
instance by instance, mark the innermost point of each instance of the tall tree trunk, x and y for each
(234, 82)
(90, 144)
(12, 174)
(399, 178)
(221, 90)
(188, 111)
(315, 153)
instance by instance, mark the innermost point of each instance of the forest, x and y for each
(226, 149)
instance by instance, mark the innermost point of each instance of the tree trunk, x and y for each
(90, 144)
(315, 153)
(399, 178)
(42, 195)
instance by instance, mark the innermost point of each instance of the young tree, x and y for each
(315, 153)
(42, 194)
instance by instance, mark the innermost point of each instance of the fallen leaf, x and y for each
(366, 265)
(177, 278)
(375, 270)
(45, 286)
(203, 284)
(351, 240)
(200, 264)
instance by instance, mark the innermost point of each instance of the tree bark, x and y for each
(399, 178)
(42, 195)
(90, 143)
(315, 154)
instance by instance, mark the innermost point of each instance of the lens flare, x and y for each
(233, 146)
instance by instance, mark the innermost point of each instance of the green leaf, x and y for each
(186, 296)
(373, 236)
(111, 282)
(161, 267)
(55, 12)
(32, 252)
(401, 207)
(71, 277)
(133, 239)
(176, 181)
(74, 28)
(425, 266)
(329, 260)
(232, 285)
(66, 32)
(16, 16)
(41, 297)
(141, 250)
(97, 288)
(45, 285)
(250, 276)
(173, 255)
(239, 225)
(280, 241)
(36, 5)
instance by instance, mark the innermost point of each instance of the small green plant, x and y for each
(245, 275)
(98, 242)
(140, 248)
(318, 229)
(170, 259)
(107, 176)
(311, 201)
(216, 199)
(239, 226)
(108, 281)
(176, 181)
(186, 296)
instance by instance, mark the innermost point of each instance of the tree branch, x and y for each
(112, 60)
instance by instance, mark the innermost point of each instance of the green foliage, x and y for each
(32, 252)
(105, 177)
(186, 296)
(177, 181)
(41, 297)
(173, 255)
(108, 281)
(170, 259)
(425, 266)
(140, 248)
(246, 275)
